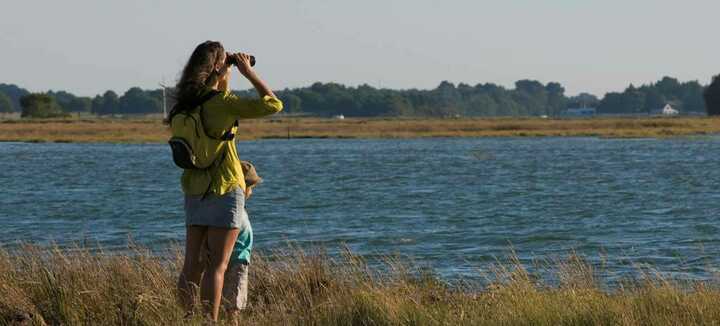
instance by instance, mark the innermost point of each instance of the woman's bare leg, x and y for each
(192, 269)
(220, 244)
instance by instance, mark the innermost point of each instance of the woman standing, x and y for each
(215, 199)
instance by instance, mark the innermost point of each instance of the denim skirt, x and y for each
(226, 211)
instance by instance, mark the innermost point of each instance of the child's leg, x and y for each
(235, 289)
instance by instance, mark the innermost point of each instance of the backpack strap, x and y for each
(216, 163)
(229, 135)
(202, 99)
(187, 106)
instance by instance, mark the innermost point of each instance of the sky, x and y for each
(89, 46)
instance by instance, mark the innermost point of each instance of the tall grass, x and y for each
(295, 287)
(152, 130)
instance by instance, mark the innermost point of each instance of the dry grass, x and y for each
(76, 287)
(151, 130)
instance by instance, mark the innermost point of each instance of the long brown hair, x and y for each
(199, 72)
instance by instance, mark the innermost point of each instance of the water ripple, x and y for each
(454, 204)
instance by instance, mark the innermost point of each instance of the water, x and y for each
(457, 205)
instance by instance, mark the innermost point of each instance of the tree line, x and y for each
(527, 98)
(57, 103)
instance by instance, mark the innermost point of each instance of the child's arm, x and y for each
(248, 192)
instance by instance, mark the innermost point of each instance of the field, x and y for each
(153, 131)
(293, 287)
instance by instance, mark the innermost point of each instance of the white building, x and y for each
(666, 111)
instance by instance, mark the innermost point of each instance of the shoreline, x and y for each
(143, 130)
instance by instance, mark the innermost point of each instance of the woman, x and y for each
(215, 201)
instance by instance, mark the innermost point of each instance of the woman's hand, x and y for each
(244, 66)
(248, 193)
(247, 70)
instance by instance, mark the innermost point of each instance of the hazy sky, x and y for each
(88, 46)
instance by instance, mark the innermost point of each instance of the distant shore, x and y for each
(147, 130)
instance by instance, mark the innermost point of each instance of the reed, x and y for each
(153, 131)
(80, 286)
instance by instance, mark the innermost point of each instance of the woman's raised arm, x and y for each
(245, 108)
(247, 70)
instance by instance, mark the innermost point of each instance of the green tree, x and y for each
(612, 103)
(14, 92)
(62, 98)
(79, 104)
(654, 99)
(71, 103)
(532, 96)
(482, 105)
(396, 105)
(556, 99)
(135, 100)
(40, 106)
(583, 100)
(292, 103)
(6, 104)
(712, 97)
(447, 93)
(668, 86)
(108, 103)
(692, 96)
(96, 105)
(633, 100)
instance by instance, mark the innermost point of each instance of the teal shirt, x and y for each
(243, 247)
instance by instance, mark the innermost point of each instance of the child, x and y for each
(235, 286)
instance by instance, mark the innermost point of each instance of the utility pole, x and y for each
(164, 100)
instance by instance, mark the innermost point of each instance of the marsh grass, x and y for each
(296, 287)
(153, 131)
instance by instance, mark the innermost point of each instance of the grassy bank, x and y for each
(152, 131)
(77, 288)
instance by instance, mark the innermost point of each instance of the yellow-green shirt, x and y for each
(219, 115)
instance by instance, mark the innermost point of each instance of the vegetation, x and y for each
(71, 103)
(40, 106)
(134, 101)
(14, 93)
(684, 97)
(528, 98)
(292, 287)
(153, 131)
(6, 104)
(712, 97)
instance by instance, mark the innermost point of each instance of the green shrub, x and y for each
(40, 106)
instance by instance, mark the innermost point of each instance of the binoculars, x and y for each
(229, 58)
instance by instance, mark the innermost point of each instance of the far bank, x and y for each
(151, 130)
